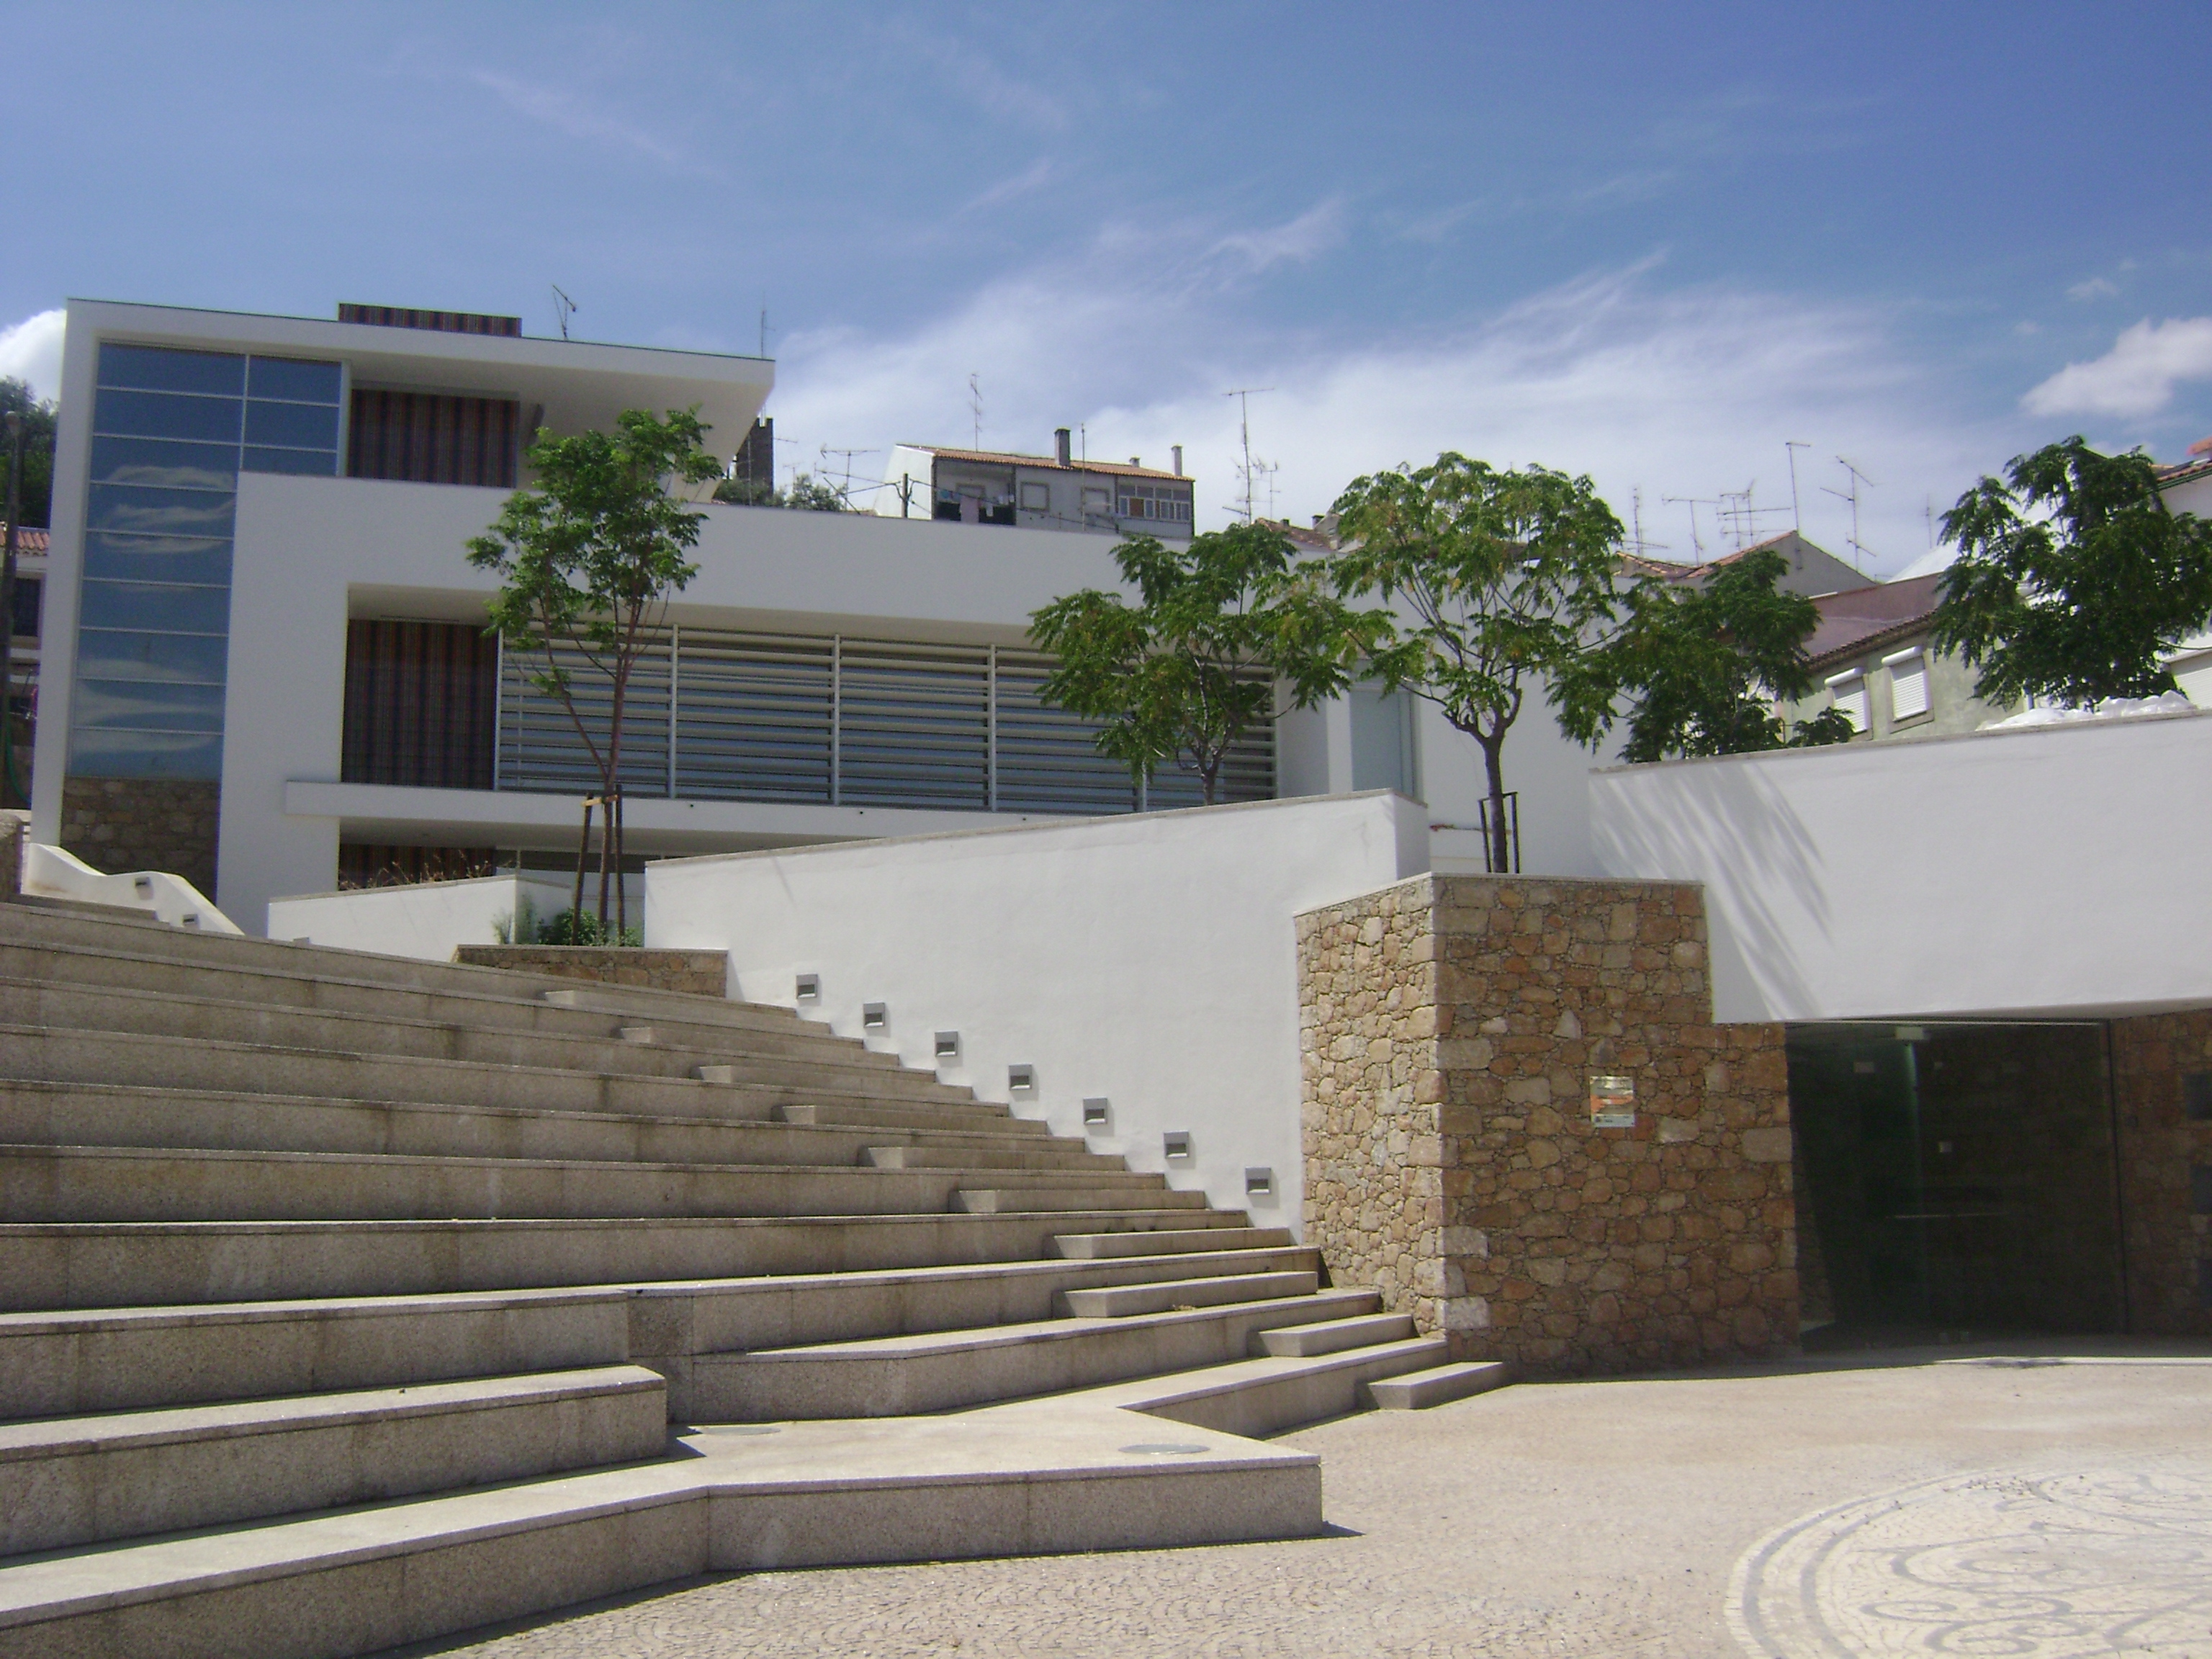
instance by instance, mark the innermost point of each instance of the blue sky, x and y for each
(1649, 243)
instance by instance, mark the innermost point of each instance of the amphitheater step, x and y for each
(1125, 1301)
(109, 1183)
(66, 1481)
(54, 1266)
(1418, 1390)
(1268, 1395)
(1167, 1242)
(985, 1200)
(897, 1375)
(79, 1114)
(57, 1364)
(821, 1108)
(1334, 1335)
(812, 1495)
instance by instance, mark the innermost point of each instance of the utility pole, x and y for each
(975, 407)
(7, 607)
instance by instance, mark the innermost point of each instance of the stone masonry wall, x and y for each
(119, 824)
(701, 973)
(1451, 1026)
(2164, 1201)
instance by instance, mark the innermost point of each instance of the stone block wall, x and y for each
(120, 824)
(14, 830)
(701, 973)
(1451, 1026)
(2166, 1205)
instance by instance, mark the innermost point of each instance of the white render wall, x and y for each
(1150, 960)
(424, 921)
(2050, 870)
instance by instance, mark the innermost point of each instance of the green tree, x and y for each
(2073, 578)
(1505, 574)
(586, 561)
(39, 418)
(1700, 668)
(1185, 672)
(807, 492)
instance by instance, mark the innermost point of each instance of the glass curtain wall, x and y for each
(172, 430)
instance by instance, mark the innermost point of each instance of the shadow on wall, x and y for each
(1728, 824)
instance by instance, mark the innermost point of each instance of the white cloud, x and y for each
(2096, 287)
(1039, 173)
(2136, 377)
(31, 351)
(1313, 231)
(574, 114)
(1686, 393)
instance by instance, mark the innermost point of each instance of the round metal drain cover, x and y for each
(1167, 1448)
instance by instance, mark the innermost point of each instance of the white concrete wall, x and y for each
(2056, 870)
(1150, 960)
(426, 920)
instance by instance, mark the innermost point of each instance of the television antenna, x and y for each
(1644, 549)
(1738, 517)
(763, 325)
(1851, 495)
(975, 407)
(564, 309)
(846, 473)
(1693, 502)
(1245, 394)
(1790, 447)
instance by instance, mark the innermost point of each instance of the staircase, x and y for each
(347, 1301)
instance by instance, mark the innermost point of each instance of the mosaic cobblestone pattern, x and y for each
(2161, 1148)
(119, 824)
(1450, 1027)
(701, 973)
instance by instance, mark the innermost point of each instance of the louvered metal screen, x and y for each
(722, 715)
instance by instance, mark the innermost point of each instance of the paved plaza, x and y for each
(2047, 1499)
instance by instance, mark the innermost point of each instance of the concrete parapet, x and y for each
(1453, 1032)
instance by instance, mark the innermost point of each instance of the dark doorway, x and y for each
(1955, 1180)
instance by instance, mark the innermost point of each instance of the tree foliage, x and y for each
(1700, 667)
(586, 561)
(807, 492)
(1184, 672)
(39, 418)
(1505, 574)
(2073, 578)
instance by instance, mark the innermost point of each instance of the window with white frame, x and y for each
(1848, 692)
(1908, 683)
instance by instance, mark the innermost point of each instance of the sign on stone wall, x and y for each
(1611, 1101)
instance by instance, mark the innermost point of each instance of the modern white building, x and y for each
(266, 668)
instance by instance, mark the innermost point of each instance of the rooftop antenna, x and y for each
(975, 407)
(1931, 524)
(763, 329)
(1852, 496)
(1245, 394)
(1693, 502)
(847, 471)
(564, 309)
(1644, 549)
(1790, 447)
(1740, 515)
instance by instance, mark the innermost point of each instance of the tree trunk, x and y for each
(622, 888)
(1493, 761)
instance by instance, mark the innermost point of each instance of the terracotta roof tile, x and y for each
(1002, 457)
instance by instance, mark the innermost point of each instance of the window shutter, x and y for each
(1848, 692)
(1908, 683)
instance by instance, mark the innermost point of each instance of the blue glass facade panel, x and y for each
(108, 654)
(294, 380)
(127, 704)
(160, 463)
(163, 512)
(203, 560)
(163, 368)
(296, 426)
(317, 463)
(165, 415)
(160, 607)
(98, 753)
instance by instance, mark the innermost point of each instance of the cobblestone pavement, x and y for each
(1947, 1505)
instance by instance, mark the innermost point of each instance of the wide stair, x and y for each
(347, 1301)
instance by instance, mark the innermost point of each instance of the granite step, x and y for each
(74, 1481)
(1126, 1301)
(1418, 1390)
(1268, 1396)
(1335, 1335)
(1166, 1241)
(998, 1199)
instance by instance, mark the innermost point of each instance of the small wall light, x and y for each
(948, 1047)
(810, 988)
(874, 1017)
(1021, 1080)
(1097, 1113)
(1176, 1142)
(1259, 1183)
